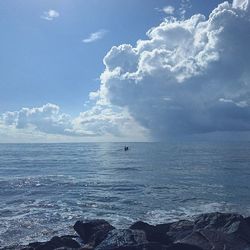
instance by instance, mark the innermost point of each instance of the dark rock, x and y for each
(123, 239)
(146, 246)
(35, 244)
(154, 233)
(56, 242)
(151, 246)
(93, 232)
(87, 247)
(16, 247)
(181, 246)
(208, 239)
(200, 239)
(180, 229)
(213, 231)
(68, 248)
(218, 231)
(247, 220)
(229, 224)
(71, 241)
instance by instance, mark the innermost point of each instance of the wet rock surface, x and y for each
(213, 231)
(93, 232)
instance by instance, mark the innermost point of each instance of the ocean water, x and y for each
(45, 188)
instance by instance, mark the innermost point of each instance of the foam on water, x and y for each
(45, 188)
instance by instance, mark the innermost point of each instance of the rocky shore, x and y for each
(213, 231)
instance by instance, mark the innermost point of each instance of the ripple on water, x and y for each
(45, 188)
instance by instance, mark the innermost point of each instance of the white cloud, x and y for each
(242, 4)
(169, 10)
(47, 119)
(110, 122)
(50, 15)
(97, 123)
(190, 76)
(95, 36)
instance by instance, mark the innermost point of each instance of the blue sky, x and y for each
(46, 61)
(90, 70)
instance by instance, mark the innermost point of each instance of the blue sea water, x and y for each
(45, 188)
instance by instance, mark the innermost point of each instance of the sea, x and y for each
(46, 188)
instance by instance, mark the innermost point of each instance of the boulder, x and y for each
(201, 239)
(247, 220)
(223, 222)
(213, 231)
(146, 246)
(180, 229)
(93, 232)
(217, 231)
(181, 246)
(154, 233)
(55, 243)
(233, 225)
(120, 239)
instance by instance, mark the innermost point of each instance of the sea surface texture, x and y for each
(45, 188)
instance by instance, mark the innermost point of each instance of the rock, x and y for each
(67, 248)
(55, 243)
(180, 229)
(146, 246)
(213, 231)
(247, 220)
(36, 244)
(120, 239)
(93, 232)
(151, 246)
(87, 247)
(154, 233)
(218, 231)
(181, 246)
(201, 239)
(16, 247)
(208, 239)
(227, 223)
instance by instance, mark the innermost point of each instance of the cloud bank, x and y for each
(47, 119)
(101, 121)
(190, 76)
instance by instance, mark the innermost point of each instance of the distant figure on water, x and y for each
(126, 148)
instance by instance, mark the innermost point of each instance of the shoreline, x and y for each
(210, 231)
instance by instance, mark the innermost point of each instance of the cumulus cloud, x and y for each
(111, 122)
(47, 119)
(50, 15)
(242, 4)
(95, 36)
(189, 76)
(102, 122)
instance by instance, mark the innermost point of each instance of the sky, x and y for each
(113, 70)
